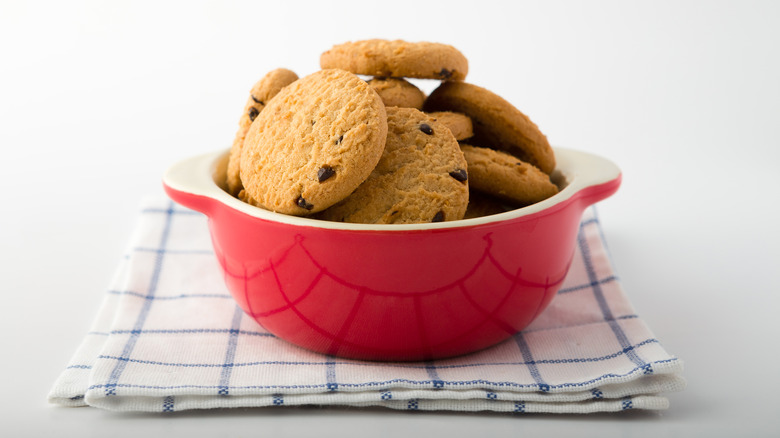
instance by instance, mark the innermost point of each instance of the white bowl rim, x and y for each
(578, 169)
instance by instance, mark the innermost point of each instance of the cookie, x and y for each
(398, 92)
(261, 93)
(504, 176)
(481, 204)
(242, 195)
(421, 177)
(314, 143)
(398, 59)
(497, 123)
(459, 124)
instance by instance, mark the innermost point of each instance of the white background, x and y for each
(98, 99)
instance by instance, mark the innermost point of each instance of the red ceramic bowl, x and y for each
(394, 292)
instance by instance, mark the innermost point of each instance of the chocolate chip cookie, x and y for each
(459, 124)
(497, 123)
(422, 176)
(261, 93)
(398, 92)
(398, 58)
(314, 143)
(504, 176)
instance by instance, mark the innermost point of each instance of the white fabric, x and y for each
(169, 337)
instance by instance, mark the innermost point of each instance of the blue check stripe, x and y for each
(119, 367)
(593, 220)
(330, 374)
(96, 333)
(525, 350)
(579, 287)
(430, 368)
(171, 210)
(602, 301)
(230, 354)
(331, 364)
(494, 384)
(266, 334)
(166, 297)
(585, 286)
(80, 367)
(189, 331)
(168, 403)
(581, 325)
(174, 251)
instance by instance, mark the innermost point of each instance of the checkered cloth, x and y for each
(169, 337)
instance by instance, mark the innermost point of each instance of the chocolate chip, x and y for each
(439, 217)
(258, 101)
(341, 137)
(304, 203)
(253, 112)
(426, 128)
(459, 174)
(445, 74)
(324, 173)
(312, 123)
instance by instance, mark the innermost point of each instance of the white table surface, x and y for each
(98, 99)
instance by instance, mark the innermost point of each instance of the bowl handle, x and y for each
(190, 183)
(595, 178)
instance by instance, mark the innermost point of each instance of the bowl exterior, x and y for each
(410, 295)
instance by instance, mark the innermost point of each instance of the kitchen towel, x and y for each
(169, 337)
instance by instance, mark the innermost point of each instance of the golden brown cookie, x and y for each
(398, 58)
(497, 123)
(421, 177)
(314, 143)
(398, 92)
(459, 124)
(261, 93)
(504, 176)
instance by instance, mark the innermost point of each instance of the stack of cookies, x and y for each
(336, 147)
